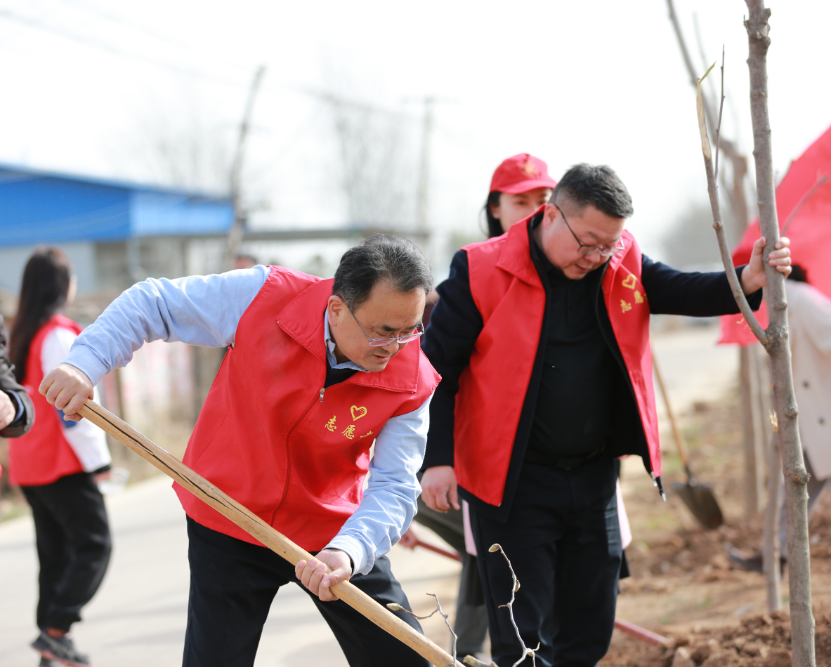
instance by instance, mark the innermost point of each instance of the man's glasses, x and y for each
(383, 342)
(584, 249)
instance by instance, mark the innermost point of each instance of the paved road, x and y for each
(694, 368)
(138, 617)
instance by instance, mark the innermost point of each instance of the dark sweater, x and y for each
(580, 379)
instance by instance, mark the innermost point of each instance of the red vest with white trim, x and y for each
(272, 439)
(43, 455)
(510, 296)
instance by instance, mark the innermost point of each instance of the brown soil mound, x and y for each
(759, 641)
(684, 587)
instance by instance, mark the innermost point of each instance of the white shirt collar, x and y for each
(330, 349)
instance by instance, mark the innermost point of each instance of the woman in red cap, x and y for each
(520, 185)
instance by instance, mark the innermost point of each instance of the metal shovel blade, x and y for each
(700, 500)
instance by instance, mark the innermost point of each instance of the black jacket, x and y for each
(455, 324)
(9, 384)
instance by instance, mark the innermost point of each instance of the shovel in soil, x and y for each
(698, 497)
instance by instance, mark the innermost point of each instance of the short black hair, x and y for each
(381, 257)
(598, 186)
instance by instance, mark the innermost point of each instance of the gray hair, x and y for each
(381, 257)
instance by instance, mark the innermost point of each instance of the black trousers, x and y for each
(563, 539)
(73, 545)
(232, 586)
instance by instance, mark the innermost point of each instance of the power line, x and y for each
(95, 42)
(338, 100)
(121, 20)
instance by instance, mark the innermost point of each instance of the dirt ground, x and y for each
(683, 586)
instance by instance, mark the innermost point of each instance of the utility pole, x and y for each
(423, 198)
(240, 215)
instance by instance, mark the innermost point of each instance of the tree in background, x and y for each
(688, 242)
(376, 156)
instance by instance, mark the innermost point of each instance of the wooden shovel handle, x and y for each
(259, 529)
(676, 432)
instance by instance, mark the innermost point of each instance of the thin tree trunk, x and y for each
(796, 477)
(770, 555)
(751, 408)
(761, 412)
(773, 466)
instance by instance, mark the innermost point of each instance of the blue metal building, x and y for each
(114, 232)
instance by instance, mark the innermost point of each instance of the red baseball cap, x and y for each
(521, 173)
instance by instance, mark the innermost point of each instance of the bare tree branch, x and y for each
(699, 40)
(393, 606)
(720, 110)
(510, 607)
(673, 17)
(728, 147)
(731, 150)
(724, 249)
(770, 539)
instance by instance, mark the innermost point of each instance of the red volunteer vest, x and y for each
(43, 455)
(511, 299)
(273, 439)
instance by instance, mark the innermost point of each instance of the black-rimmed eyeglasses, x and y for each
(383, 342)
(585, 249)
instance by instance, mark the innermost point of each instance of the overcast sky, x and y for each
(86, 83)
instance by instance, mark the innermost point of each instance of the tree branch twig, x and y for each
(730, 149)
(720, 110)
(510, 607)
(394, 606)
(724, 249)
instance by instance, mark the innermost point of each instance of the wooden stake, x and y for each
(259, 529)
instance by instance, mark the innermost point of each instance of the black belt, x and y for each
(562, 462)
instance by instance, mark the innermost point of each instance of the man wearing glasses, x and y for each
(317, 371)
(542, 340)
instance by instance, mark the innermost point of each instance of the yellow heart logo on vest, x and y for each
(357, 412)
(630, 281)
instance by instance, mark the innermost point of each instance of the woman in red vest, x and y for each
(57, 464)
